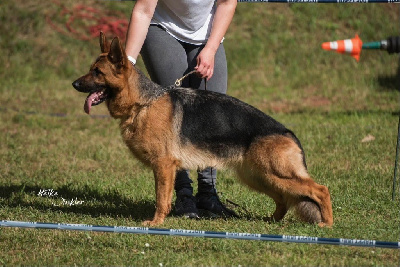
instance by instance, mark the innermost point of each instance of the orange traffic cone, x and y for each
(350, 46)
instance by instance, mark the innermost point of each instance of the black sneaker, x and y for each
(211, 206)
(185, 205)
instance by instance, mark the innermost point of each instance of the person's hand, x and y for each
(205, 63)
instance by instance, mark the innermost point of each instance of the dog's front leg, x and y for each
(164, 174)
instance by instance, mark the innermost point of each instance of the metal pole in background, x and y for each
(306, 1)
(320, 1)
(204, 234)
(396, 163)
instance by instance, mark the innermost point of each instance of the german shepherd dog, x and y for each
(174, 128)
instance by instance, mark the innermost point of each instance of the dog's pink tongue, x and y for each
(88, 103)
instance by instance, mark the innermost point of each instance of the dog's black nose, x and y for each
(76, 84)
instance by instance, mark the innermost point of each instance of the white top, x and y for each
(189, 21)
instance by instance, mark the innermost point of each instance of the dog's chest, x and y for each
(148, 136)
(133, 136)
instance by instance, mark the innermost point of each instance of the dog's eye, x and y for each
(97, 72)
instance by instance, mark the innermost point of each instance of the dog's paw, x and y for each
(324, 225)
(153, 222)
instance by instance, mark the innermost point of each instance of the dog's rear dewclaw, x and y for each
(178, 128)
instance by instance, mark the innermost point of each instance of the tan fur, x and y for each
(272, 165)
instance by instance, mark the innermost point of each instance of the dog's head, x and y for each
(105, 79)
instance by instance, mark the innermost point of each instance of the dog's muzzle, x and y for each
(96, 96)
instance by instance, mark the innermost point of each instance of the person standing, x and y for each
(175, 37)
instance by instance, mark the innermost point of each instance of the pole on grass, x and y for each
(396, 162)
(355, 45)
(205, 234)
(320, 1)
(304, 1)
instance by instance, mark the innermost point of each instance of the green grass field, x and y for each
(330, 101)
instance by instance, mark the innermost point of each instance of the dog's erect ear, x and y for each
(117, 53)
(104, 45)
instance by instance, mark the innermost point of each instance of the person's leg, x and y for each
(207, 198)
(219, 81)
(166, 60)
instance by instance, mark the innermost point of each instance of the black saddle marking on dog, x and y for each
(223, 123)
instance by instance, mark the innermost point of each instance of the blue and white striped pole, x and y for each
(308, 1)
(206, 234)
(320, 1)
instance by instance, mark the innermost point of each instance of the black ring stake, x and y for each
(393, 44)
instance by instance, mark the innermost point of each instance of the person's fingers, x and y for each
(205, 65)
(209, 74)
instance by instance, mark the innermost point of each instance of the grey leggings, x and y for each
(168, 59)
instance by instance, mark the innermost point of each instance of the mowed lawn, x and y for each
(60, 165)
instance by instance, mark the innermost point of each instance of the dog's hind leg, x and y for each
(253, 179)
(279, 163)
(312, 201)
(164, 175)
(280, 210)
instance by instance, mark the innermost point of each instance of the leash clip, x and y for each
(178, 82)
